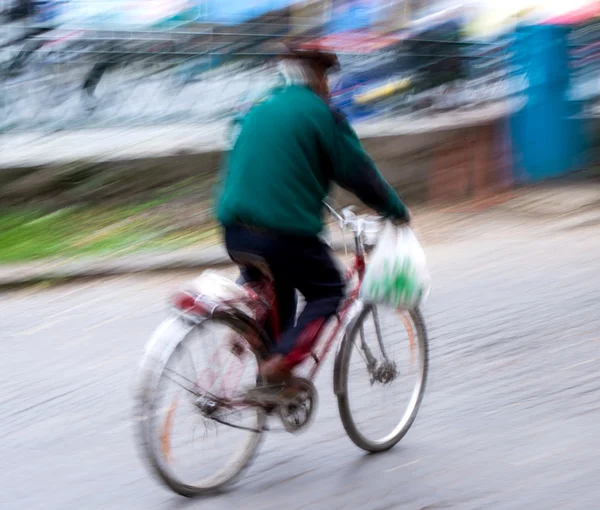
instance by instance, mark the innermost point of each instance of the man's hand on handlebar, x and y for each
(403, 222)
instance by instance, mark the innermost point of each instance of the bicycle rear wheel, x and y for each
(381, 377)
(194, 430)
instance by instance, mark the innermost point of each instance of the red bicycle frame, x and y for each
(272, 314)
(263, 301)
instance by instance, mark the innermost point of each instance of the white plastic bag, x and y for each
(397, 273)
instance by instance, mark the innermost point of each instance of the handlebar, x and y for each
(361, 225)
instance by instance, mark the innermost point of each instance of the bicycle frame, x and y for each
(357, 269)
(264, 302)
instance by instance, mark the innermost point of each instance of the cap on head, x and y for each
(318, 58)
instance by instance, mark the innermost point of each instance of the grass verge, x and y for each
(32, 234)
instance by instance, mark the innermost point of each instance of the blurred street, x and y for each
(509, 420)
(116, 119)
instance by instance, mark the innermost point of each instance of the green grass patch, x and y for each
(31, 234)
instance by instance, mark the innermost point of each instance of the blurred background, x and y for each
(478, 97)
(483, 114)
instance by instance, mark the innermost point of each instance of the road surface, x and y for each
(510, 419)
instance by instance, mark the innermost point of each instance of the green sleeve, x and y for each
(354, 170)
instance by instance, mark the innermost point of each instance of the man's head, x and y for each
(308, 66)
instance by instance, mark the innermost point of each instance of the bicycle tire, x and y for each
(149, 378)
(342, 376)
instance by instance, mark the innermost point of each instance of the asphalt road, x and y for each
(510, 419)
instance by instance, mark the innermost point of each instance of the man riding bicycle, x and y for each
(289, 150)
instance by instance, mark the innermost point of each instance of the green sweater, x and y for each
(289, 150)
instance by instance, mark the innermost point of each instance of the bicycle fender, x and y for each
(165, 339)
(157, 351)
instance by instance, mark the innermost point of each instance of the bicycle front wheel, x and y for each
(195, 431)
(381, 376)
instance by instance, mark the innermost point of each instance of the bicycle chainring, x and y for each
(298, 405)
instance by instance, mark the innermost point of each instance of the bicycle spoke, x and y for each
(182, 385)
(202, 390)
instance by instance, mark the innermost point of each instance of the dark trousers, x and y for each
(296, 263)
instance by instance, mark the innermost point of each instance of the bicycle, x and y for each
(231, 393)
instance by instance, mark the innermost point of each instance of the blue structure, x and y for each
(547, 133)
(350, 15)
(233, 12)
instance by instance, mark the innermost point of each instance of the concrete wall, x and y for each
(443, 165)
